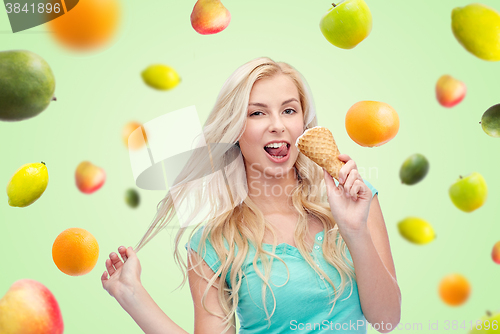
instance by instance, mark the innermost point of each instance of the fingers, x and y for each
(330, 183)
(123, 252)
(359, 189)
(351, 178)
(344, 157)
(117, 262)
(130, 252)
(114, 263)
(109, 267)
(104, 277)
(353, 192)
(345, 170)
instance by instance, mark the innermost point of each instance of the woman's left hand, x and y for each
(350, 200)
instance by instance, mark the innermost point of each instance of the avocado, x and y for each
(27, 85)
(414, 169)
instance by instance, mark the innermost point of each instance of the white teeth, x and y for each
(275, 145)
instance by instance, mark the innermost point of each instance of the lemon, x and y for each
(477, 28)
(416, 230)
(27, 184)
(161, 77)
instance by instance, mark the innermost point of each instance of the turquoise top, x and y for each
(302, 304)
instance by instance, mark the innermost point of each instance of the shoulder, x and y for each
(207, 252)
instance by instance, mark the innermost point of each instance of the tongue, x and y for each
(280, 151)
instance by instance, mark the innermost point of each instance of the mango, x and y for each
(414, 169)
(490, 121)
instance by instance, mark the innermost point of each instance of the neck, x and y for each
(272, 193)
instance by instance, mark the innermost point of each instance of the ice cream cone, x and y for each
(318, 145)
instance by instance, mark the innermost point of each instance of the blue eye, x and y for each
(261, 112)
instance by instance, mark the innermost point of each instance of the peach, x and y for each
(209, 17)
(136, 141)
(89, 177)
(450, 91)
(495, 252)
(29, 307)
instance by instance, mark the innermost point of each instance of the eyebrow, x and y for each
(265, 105)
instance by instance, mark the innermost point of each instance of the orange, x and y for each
(89, 25)
(75, 251)
(371, 123)
(137, 140)
(454, 289)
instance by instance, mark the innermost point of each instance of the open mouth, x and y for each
(278, 152)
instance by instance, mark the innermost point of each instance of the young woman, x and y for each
(299, 252)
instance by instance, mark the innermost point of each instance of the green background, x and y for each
(411, 45)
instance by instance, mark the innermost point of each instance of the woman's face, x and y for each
(274, 115)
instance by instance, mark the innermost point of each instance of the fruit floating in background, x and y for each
(27, 184)
(209, 17)
(132, 198)
(88, 26)
(414, 169)
(161, 77)
(416, 230)
(29, 307)
(27, 85)
(469, 193)
(371, 123)
(490, 121)
(489, 323)
(450, 91)
(495, 253)
(136, 141)
(89, 177)
(347, 23)
(454, 289)
(477, 28)
(75, 251)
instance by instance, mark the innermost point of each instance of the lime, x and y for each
(132, 198)
(27, 184)
(161, 77)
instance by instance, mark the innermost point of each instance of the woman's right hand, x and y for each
(124, 276)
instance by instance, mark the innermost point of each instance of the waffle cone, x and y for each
(318, 145)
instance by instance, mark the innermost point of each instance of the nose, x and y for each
(277, 125)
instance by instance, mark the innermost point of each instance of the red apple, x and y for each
(450, 91)
(89, 177)
(209, 17)
(29, 307)
(495, 252)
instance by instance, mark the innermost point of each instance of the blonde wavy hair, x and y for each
(245, 223)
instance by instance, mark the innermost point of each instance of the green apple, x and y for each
(469, 193)
(347, 23)
(489, 323)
